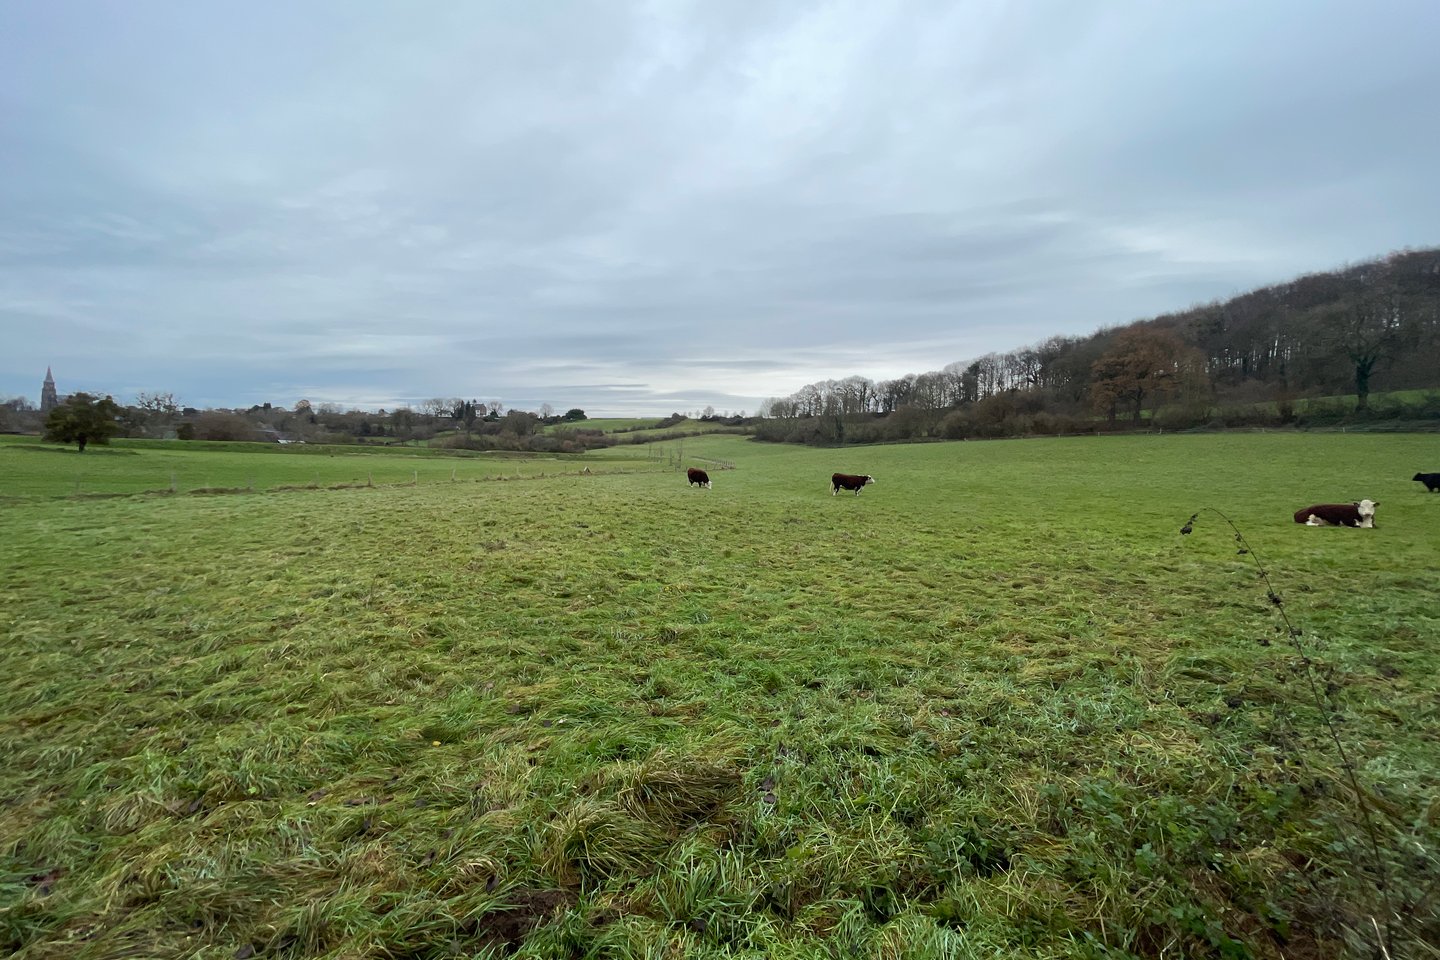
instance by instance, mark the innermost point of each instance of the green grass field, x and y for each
(29, 468)
(639, 424)
(687, 428)
(1379, 399)
(1343, 405)
(606, 424)
(644, 428)
(996, 706)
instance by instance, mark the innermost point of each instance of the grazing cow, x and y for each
(848, 481)
(1361, 513)
(698, 477)
(1431, 480)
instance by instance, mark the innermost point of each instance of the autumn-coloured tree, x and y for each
(1144, 363)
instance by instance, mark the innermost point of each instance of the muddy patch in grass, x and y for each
(508, 926)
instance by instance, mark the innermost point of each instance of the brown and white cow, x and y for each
(848, 481)
(1361, 513)
(699, 477)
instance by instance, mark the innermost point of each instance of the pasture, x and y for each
(995, 706)
(605, 424)
(29, 468)
(644, 428)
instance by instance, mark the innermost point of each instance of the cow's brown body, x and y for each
(848, 481)
(1358, 514)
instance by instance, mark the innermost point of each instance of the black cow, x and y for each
(698, 477)
(848, 481)
(1431, 480)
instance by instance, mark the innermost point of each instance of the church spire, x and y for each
(49, 399)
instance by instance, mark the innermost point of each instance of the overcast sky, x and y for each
(637, 208)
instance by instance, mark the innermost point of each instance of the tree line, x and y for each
(448, 423)
(83, 419)
(1258, 358)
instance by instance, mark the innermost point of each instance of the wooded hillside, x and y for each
(1373, 326)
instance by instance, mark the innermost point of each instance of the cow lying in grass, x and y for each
(1361, 513)
(1431, 480)
(848, 481)
(699, 477)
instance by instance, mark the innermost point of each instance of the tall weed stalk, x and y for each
(1395, 921)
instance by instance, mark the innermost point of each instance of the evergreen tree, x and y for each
(82, 419)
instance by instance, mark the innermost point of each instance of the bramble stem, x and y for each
(1325, 706)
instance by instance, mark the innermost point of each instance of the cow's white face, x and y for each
(1366, 509)
(869, 479)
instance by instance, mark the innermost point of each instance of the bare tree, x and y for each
(1366, 331)
(929, 392)
(520, 423)
(163, 404)
(857, 395)
(16, 413)
(402, 422)
(157, 411)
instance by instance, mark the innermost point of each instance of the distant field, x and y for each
(996, 706)
(606, 424)
(685, 428)
(1347, 401)
(1391, 396)
(29, 468)
(646, 428)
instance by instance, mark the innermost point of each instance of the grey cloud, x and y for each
(657, 207)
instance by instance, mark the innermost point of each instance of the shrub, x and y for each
(957, 425)
(213, 425)
(1324, 412)
(1181, 416)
